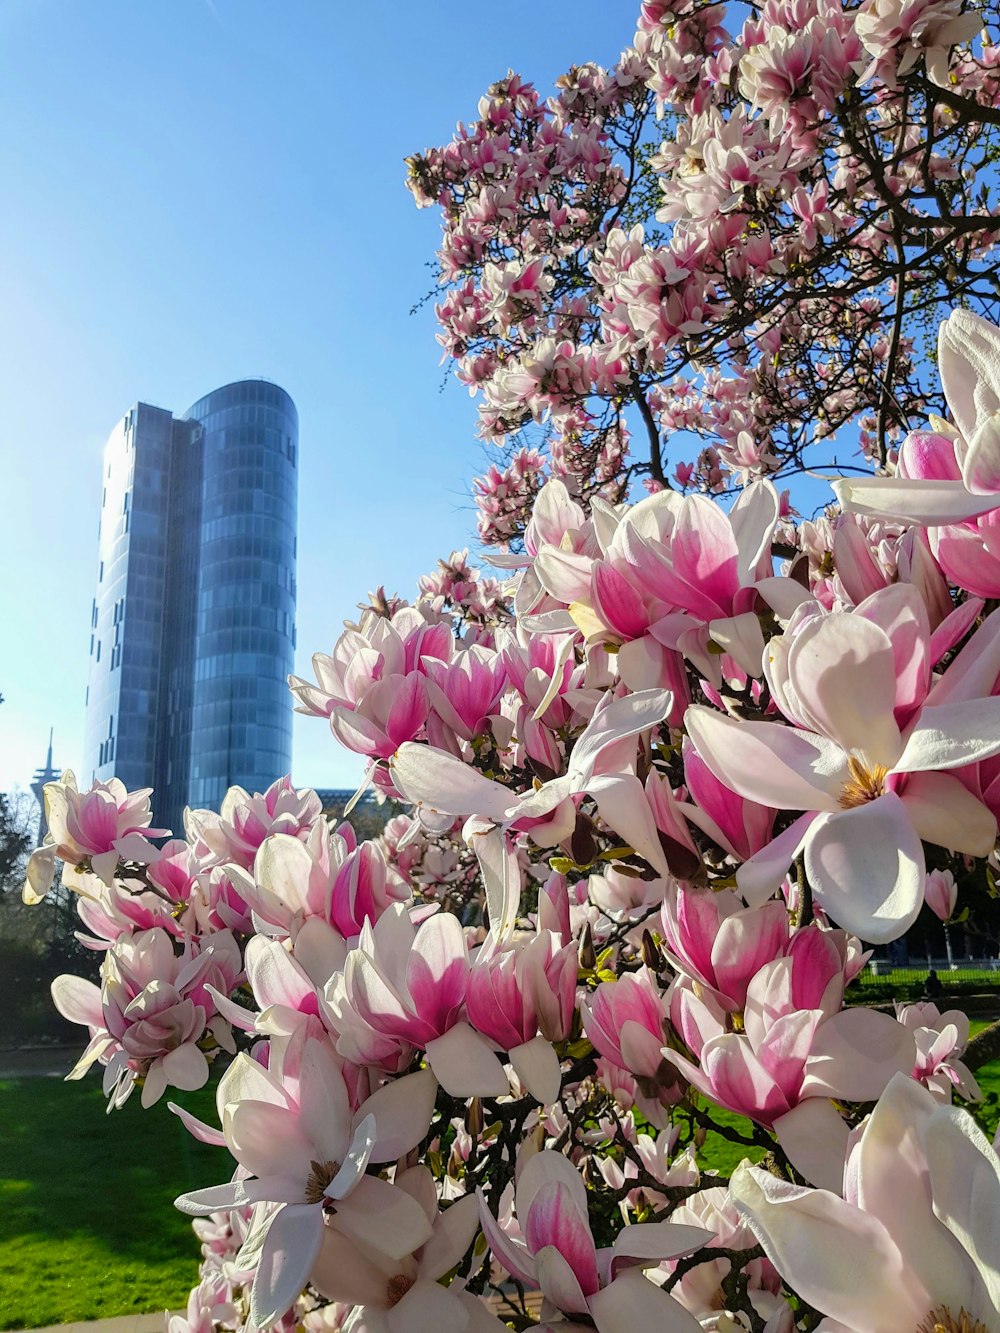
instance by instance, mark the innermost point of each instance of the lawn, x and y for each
(87, 1226)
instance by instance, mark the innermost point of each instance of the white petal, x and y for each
(965, 1183)
(433, 777)
(286, 1260)
(537, 1066)
(632, 1303)
(768, 762)
(866, 868)
(464, 1064)
(951, 735)
(838, 1258)
(918, 501)
(814, 1136)
(402, 1111)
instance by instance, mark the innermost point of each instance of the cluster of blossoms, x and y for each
(666, 785)
(716, 247)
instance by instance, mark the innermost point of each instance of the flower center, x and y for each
(865, 784)
(941, 1320)
(320, 1176)
(401, 1284)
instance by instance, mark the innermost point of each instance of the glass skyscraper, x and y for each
(193, 624)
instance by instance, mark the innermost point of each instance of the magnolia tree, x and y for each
(701, 264)
(667, 779)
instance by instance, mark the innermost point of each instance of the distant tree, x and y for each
(15, 839)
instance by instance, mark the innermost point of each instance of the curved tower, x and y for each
(214, 620)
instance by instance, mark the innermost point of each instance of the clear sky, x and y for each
(197, 191)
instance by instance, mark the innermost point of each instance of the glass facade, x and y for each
(194, 621)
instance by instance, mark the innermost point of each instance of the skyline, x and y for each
(196, 205)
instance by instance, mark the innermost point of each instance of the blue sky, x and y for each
(202, 190)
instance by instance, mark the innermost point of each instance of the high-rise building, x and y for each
(193, 624)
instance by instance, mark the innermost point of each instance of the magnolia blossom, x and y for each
(558, 1253)
(867, 757)
(293, 1132)
(402, 1294)
(92, 829)
(912, 1245)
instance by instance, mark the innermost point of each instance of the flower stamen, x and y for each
(865, 784)
(941, 1320)
(320, 1176)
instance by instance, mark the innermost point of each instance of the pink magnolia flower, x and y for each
(866, 758)
(465, 693)
(626, 1021)
(797, 1049)
(897, 33)
(301, 1147)
(324, 877)
(712, 938)
(151, 1011)
(556, 1251)
(403, 1294)
(912, 1244)
(244, 821)
(410, 985)
(522, 998)
(941, 1039)
(95, 827)
(941, 894)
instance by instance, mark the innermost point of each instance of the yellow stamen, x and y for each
(941, 1320)
(866, 784)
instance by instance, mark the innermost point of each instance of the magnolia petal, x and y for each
(981, 465)
(893, 1183)
(622, 804)
(186, 1067)
(464, 1064)
(402, 1111)
(558, 1281)
(214, 1199)
(501, 874)
(950, 735)
(814, 1137)
(454, 1230)
(286, 1259)
(855, 1053)
(655, 1241)
(843, 672)
(620, 720)
(965, 1185)
(78, 1000)
(632, 1302)
(509, 1253)
(537, 1066)
(946, 813)
(768, 762)
(383, 1217)
(969, 365)
(426, 1308)
(759, 878)
(866, 868)
(911, 499)
(428, 776)
(838, 1258)
(204, 1133)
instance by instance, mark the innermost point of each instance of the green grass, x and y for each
(87, 1223)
